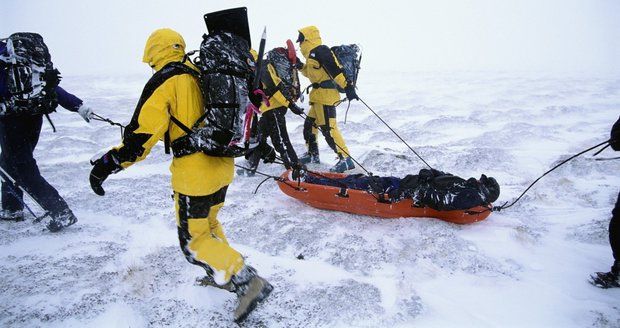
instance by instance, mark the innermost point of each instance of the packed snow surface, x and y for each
(527, 266)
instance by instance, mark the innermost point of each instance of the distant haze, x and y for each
(568, 36)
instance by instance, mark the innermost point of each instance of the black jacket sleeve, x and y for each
(615, 136)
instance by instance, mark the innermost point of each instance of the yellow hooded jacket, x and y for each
(271, 86)
(193, 175)
(321, 65)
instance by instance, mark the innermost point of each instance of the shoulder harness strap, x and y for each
(161, 76)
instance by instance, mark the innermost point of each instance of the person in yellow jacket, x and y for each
(324, 72)
(199, 181)
(272, 123)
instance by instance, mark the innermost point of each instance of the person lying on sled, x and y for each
(432, 188)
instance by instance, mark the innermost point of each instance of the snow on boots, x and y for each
(251, 290)
(609, 279)
(344, 164)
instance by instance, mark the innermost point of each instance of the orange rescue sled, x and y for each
(364, 203)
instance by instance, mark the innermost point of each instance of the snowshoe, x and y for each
(605, 280)
(255, 291)
(58, 222)
(344, 164)
(307, 158)
(207, 281)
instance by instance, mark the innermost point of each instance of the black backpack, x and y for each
(278, 58)
(225, 77)
(31, 76)
(350, 57)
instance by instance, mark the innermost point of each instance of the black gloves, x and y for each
(615, 136)
(350, 91)
(255, 98)
(295, 109)
(102, 168)
(299, 64)
(262, 151)
(299, 171)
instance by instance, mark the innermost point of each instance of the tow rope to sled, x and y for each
(277, 178)
(107, 120)
(505, 206)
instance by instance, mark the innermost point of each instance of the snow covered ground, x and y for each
(527, 266)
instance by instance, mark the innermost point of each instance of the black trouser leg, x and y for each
(309, 137)
(18, 139)
(279, 136)
(262, 127)
(614, 235)
(329, 112)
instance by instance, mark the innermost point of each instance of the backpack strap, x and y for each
(161, 76)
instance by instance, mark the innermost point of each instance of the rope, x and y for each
(504, 206)
(344, 151)
(396, 134)
(107, 120)
(269, 176)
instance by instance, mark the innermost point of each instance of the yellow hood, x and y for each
(162, 47)
(312, 39)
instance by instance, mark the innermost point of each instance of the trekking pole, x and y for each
(6, 178)
(396, 134)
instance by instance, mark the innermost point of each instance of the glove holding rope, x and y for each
(295, 109)
(615, 136)
(102, 168)
(299, 64)
(85, 112)
(350, 91)
(299, 171)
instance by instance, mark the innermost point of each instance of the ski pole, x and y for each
(15, 186)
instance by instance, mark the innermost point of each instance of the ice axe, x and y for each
(6, 178)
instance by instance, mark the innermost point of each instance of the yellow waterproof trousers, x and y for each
(202, 238)
(324, 116)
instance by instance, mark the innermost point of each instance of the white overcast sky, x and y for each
(574, 36)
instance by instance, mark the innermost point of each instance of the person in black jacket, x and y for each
(611, 279)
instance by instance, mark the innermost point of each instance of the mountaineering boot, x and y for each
(207, 281)
(605, 280)
(8, 215)
(251, 290)
(312, 155)
(344, 164)
(59, 221)
(309, 157)
(609, 279)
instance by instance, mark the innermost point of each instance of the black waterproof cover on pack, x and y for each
(225, 66)
(31, 76)
(349, 57)
(233, 20)
(278, 58)
(445, 192)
